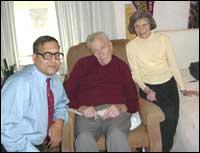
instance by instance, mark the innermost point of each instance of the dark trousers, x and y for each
(168, 100)
(3, 149)
(45, 148)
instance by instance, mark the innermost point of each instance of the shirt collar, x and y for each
(41, 77)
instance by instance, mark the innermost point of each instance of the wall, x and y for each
(186, 46)
(169, 15)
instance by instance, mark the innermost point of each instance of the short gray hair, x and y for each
(95, 35)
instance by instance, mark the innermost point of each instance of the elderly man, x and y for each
(101, 82)
(33, 102)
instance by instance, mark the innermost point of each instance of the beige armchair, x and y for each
(147, 135)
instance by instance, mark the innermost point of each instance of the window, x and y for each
(33, 19)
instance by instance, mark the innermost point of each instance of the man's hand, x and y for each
(88, 111)
(55, 133)
(114, 111)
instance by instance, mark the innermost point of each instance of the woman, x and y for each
(154, 69)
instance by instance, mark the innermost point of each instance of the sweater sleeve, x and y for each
(71, 85)
(130, 91)
(133, 64)
(172, 63)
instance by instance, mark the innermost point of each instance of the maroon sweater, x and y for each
(92, 84)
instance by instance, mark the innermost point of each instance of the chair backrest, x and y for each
(81, 50)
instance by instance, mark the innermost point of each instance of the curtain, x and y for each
(77, 19)
(8, 34)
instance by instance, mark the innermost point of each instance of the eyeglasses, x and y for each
(48, 55)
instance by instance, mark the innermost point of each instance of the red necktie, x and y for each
(50, 98)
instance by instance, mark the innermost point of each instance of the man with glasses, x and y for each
(33, 102)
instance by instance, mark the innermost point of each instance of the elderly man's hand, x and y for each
(88, 111)
(114, 111)
(55, 133)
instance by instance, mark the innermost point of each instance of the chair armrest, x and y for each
(152, 115)
(68, 134)
(150, 112)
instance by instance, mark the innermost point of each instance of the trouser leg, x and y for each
(117, 133)
(168, 127)
(117, 141)
(87, 132)
(168, 100)
(85, 142)
(168, 130)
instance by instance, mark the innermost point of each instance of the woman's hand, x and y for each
(151, 95)
(189, 93)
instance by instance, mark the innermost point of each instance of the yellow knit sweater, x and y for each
(152, 60)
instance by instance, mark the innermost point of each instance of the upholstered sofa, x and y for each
(147, 135)
(186, 50)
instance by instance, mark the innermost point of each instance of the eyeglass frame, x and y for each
(51, 54)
